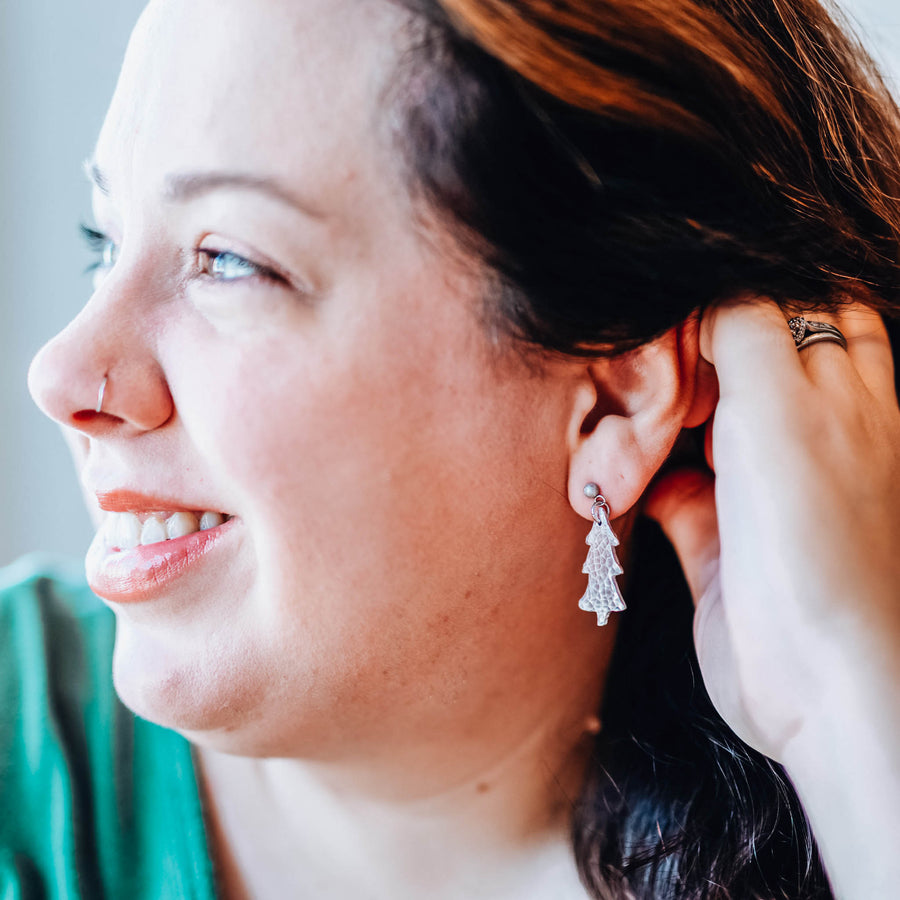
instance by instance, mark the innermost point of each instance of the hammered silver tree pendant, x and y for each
(602, 566)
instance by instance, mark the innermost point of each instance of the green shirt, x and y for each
(94, 802)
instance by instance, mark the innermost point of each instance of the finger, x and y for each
(751, 346)
(870, 349)
(868, 352)
(683, 503)
(828, 365)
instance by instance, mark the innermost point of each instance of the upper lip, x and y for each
(121, 500)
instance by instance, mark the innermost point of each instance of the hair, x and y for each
(617, 165)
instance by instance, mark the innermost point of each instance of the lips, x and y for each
(146, 543)
(136, 502)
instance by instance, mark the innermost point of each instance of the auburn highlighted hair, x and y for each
(616, 166)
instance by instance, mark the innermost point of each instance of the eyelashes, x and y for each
(225, 266)
(94, 239)
(218, 266)
(101, 247)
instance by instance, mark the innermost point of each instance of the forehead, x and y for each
(292, 86)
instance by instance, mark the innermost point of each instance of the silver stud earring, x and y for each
(601, 566)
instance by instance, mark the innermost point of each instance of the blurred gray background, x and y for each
(58, 65)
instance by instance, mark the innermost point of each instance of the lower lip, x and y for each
(146, 573)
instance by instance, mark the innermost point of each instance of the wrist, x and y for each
(845, 765)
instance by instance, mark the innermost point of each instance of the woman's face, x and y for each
(285, 348)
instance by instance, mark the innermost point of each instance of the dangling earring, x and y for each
(601, 566)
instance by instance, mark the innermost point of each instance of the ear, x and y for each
(629, 411)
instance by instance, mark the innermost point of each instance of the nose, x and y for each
(100, 374)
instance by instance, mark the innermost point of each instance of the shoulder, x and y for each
(56, 641)
(89, 809)
(36, 572)
(42, 595)
(56, 701)
(56, 644)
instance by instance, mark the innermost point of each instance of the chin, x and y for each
(224, 699)
(203, 692)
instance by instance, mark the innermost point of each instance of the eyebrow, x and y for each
(182, 187)
(96, 176)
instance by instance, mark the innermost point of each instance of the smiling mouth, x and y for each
(123, 531)
(138, 556)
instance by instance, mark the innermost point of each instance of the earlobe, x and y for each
(641, 401)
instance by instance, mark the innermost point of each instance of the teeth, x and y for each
(153, 532)
(211, 520)
(125, 531)
(181, 524)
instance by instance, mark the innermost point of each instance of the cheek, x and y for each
(379, 478)
(392, 554)
(364, 480)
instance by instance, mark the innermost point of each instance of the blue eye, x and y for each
(216, 265)
(103, 249)
(225, 266)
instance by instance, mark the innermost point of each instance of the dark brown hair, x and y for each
(617, 165)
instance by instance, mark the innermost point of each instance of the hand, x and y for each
(792, 550)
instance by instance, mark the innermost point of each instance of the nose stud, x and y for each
(101, 393)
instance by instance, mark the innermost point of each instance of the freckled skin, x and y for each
(407, 562)
(383, 667)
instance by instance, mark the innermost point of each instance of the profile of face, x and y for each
(287, 346)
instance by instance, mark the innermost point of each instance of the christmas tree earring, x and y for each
(601, 566)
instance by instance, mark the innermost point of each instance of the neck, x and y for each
(409, 825)
(478, 807)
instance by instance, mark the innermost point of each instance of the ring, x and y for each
(806, 333)
(101, 394)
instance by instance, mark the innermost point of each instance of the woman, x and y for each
(392, 300)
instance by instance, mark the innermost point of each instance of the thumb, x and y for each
(683, 502)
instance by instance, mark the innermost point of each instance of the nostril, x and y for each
(84, 416)
(95, 385)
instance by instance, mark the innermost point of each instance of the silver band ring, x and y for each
(806, 333)
(101, 393)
